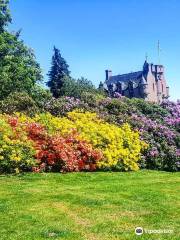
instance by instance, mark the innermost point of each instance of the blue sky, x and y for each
(94, 35)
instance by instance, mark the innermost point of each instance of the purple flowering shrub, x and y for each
(92, 100)
(19, 102)
(153, 123)
(157, 125)
(60, 106)
(173, 119)
(163, 152)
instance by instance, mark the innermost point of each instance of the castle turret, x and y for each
(143, 88)
(160, 83)
(108, 74)
(145, 68)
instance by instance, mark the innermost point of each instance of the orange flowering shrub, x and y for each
(80, 141)
(67, 155)
(54, 152)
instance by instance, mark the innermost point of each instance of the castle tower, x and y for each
(156, 83)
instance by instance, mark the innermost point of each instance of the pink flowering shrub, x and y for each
(163, 148)
(173, 119)
(158, 126)
(61, 106)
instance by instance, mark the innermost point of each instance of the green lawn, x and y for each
(91, 206)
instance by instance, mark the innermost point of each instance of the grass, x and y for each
(89, 206)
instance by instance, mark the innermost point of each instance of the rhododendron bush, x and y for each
(158, 125)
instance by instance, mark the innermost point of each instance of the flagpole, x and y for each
(159, 61)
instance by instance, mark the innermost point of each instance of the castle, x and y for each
(149, 84)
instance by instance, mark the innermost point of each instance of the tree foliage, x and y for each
(59, 70)
(19, 70)
(5, 17)
(77, 88)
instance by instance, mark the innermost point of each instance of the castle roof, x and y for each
(127, 77)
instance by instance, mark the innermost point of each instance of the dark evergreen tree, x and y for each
(59, 70)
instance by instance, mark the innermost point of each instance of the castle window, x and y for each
(153, 87)
(162, 88)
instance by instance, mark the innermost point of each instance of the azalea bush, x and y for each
(16, 150)
(61, 153)
(26, 146)
(121, 147)
(67, 154)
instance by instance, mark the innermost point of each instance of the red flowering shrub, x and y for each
(37, 134)
(57, 153)
(67, 155)
(13, 121)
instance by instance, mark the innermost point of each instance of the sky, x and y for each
(94, 35)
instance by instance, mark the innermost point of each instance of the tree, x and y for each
(59, 70)
(5, 17)
(101, 86)
(69, 87)
(77, 88)
(19, 70)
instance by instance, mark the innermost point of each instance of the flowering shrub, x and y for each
(121, 147)
(91, 99)
(157, 125)
(16, 151)
(105, 133)
(25, 145)
(150, 110)
(163, 150)
(173, 119)
(116, 106)
(18, 102)
(67, 155)
(61, 106)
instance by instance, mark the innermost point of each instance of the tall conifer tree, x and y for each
(59, 70)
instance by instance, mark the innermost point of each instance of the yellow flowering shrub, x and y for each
(121, 146)
(16, 151)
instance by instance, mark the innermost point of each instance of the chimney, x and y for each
(108, 74)
(167, 92)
